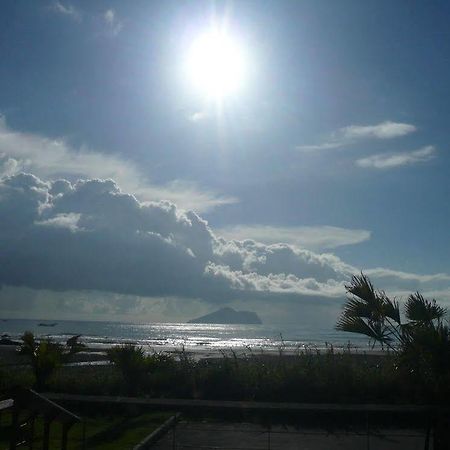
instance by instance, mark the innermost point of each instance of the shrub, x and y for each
(132, 363)
(46, 356)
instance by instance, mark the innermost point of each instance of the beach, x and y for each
(198, 340)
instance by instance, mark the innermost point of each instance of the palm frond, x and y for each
(356, 307)
(422, 311)
(372, 313)
(357, 325)
(391, 308)
(361, 287)
(366, 300)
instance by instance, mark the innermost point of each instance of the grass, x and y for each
(103, 431)
(305, 377)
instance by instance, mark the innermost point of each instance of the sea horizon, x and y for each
(192, 337)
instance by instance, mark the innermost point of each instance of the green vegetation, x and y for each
(105, 431)
(414, 368)
(132, 363)
(421, 341)
(45, 356)
(305, 377)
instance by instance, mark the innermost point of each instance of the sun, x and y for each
(216, 64)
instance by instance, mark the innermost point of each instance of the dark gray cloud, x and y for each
(92, 236)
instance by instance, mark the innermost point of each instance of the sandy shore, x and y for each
(10, 356)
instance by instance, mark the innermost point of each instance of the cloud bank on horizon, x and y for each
(89, 235)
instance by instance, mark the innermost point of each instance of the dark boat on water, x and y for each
(47, 324)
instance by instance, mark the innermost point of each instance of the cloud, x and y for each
(108, 21)
(198, 116)
(401, 284)
(312, 238)
(66, 221)
(274, 283)
(90, 240)
(383, 272)
(54, 158)
(89, 235)
(66, 9)
(355, 133)
(254, 257)
(324, 146)
(188, 196)
(393, 160)
(114, 24)
(26, 303)
(385, 130)
(8, 166)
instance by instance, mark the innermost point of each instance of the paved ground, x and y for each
(202, 435)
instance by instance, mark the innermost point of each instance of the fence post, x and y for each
(174, 441)
(32, 420)
(14, 428)
(368, 430)
(83, 435)
(65, 432)
(46, 438)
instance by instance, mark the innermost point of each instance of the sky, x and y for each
(129, 191)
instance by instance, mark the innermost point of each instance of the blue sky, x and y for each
(336, 142)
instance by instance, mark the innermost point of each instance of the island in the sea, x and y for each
(229, 315)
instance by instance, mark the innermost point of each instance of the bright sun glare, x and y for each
(216, 64)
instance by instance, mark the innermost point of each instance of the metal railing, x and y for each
(26, 406)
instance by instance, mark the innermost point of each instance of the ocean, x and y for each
(198, 338)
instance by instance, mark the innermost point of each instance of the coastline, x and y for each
(9, 355)
(195, 341)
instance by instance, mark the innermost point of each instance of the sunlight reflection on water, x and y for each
(192, 337)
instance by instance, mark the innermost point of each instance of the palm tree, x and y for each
(46, 355)
(422, 341)
(371, 312)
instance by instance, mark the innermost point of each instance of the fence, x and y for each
(429, 416)
(26, 406)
